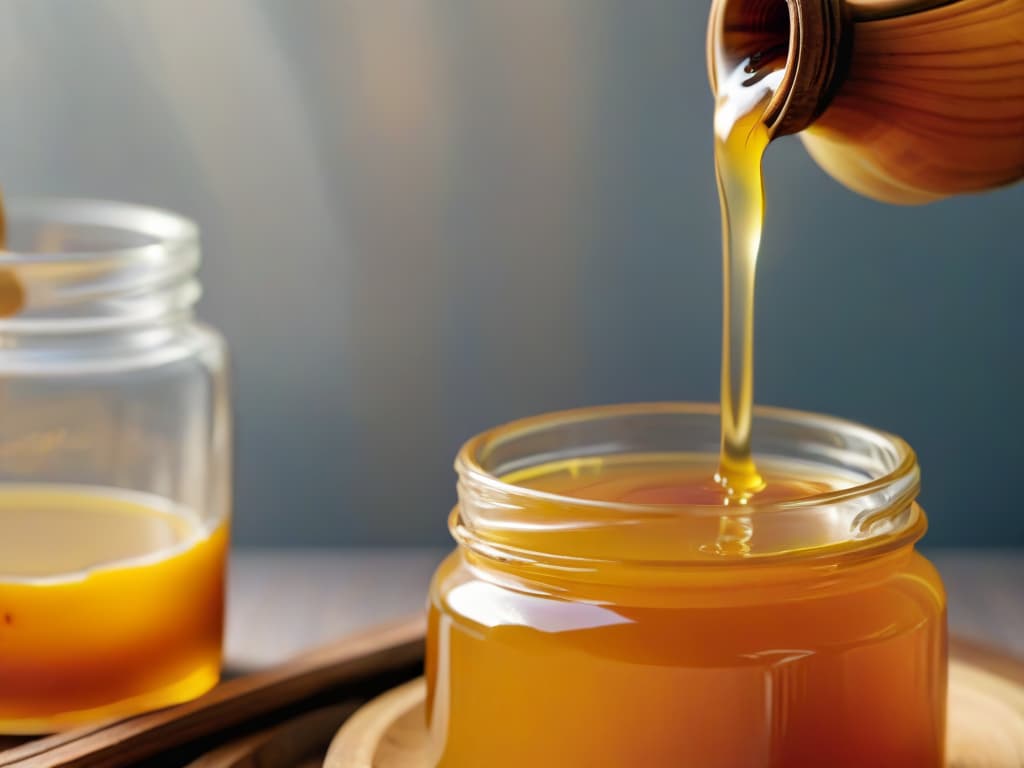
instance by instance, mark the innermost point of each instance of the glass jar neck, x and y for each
(93, 273)
(697, 585)
(871, 515)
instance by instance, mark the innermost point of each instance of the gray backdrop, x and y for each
(424, 218)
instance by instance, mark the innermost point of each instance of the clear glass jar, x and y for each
(572, 631)
(115, 461)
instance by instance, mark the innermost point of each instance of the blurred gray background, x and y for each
(424, 218)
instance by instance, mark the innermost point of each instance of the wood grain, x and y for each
(303, 739)
(986, 719)
(932, 103)
(986, 708)
(389, 732)
(397, 646)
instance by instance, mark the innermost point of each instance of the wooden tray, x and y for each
(986, 719)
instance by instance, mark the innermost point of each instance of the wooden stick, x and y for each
(392, 647)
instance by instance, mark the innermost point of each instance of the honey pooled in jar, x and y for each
(640, 662)
(111, 602)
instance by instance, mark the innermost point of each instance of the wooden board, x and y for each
(986, 719)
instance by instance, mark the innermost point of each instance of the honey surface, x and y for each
(666, 479)
(109, 603)
(745, 665)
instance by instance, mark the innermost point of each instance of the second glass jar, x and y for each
(115, 463)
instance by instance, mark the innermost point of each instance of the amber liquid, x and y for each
(110, 603)
(740, 141)
(769, 664)
(12, 292)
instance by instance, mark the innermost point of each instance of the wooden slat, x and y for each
(128, 742)
(300, 740)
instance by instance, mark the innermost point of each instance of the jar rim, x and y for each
(85, 267)
(468, 461)
(162, 229)
(875, 512)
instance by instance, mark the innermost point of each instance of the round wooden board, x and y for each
(986, 719)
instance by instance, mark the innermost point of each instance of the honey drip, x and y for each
(741, 137)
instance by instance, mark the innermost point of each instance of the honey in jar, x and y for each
(114, 467)
(604, 607)
(110, 602)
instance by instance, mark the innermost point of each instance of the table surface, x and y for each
(281, 601)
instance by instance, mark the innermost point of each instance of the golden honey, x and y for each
(111, 602)
(590, 616)
(12, 292)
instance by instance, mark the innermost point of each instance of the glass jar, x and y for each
(115, 446)
(570, 631)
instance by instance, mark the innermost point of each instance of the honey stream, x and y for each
(740, 141)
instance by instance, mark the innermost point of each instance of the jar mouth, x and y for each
(83, 266)
(79, 230)
(873, 506)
